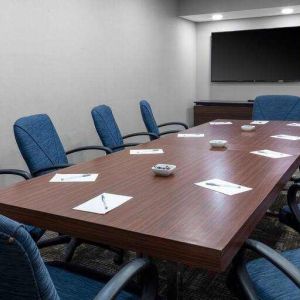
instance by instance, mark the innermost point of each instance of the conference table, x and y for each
(169, 218)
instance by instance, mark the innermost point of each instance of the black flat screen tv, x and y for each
(263, 55)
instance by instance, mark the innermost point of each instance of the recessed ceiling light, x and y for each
(217, 17)
(287, 10)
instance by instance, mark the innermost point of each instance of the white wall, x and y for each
(65, 57)
(237, 91)
(195, 7)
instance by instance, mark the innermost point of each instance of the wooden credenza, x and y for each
(206, 111)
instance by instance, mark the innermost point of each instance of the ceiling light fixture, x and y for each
(217, 17)
(287, 11)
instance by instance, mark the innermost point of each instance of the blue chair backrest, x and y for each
(277, 108)
(148, 118)
(23, 274)
(106, 126)
(39, 142)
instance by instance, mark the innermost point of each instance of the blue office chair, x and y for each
(24, 275)
(35, 232)
(150, 122)
(109, 132)
(275, 276)
(277, 108)
(43, 152)
(41, 147)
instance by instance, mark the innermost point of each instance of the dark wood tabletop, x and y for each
(169, 218)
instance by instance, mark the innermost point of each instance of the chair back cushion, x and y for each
(277, 108)
(22, 270)
(39, 142)
(106, 126)
(148, 118)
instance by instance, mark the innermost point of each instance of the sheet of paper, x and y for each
(270, 153)
(74, 178)
(223, 187)
(286, 137)
(259, 122)
(103, 203)
(220, 123)
(294, 124)
(146, 151)
(190, 135)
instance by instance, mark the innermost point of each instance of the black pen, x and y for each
(75, 177)
(103, 201)
(223, 185)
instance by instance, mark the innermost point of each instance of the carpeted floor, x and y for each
(197, 284)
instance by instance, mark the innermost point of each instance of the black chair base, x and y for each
(232, 284)
(74, 243)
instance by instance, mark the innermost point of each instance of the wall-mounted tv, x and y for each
(263, 55)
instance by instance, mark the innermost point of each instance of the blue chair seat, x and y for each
(269, 282)
(76, 287)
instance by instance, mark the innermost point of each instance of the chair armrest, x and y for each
(150, 134)
(292, 200)
(102, 148)
(125, 146)
(118, 282)
(273, 257)
(16, 172)
(52, 168)
(169, 132)
(174, 123)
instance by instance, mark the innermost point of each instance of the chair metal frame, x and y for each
(171, 124)
(134, 135)
(56, 167)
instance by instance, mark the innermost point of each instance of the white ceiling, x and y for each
(242, 14)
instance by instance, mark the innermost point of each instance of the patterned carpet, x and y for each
(197, 284)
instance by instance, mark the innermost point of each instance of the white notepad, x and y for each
(271, 154)
(146, 151)
(286, 137)
(74, 178)
(100, 205)
(294, 124)
(220, 123)
(190, 135)
(259, 122)
(223, 187)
